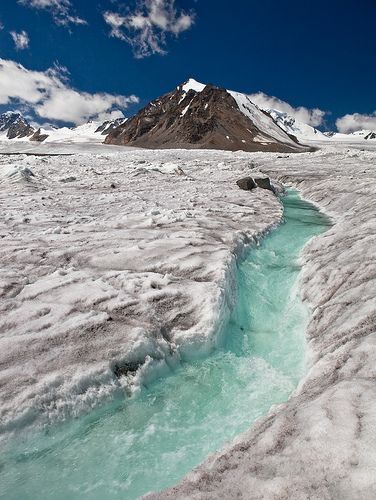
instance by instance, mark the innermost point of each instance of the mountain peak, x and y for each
(200, 116)
(9, 114)
(15, 125)
(192, 84)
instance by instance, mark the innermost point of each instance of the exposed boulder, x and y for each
(264, 183)
(249, 183)
(246, 183)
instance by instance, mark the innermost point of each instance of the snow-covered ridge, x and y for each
(13, 126)
(292, 126)
(302, 131)
(359, 135)
(280, 120)
(265, 124)
(93, 131)
(249, 109)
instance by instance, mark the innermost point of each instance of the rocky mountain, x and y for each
(15, 126)
(201, 116)
(358, 135)
(108, 126)
(192, 116)
(370, 135)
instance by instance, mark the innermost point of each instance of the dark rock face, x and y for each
(15, 125)
(246, 183)
(109, 126)
(371, 135)
(38, 136)
(209, 119)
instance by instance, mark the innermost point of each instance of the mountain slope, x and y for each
(359, 135)
(201, 116)
(292, 126)
(14, 126)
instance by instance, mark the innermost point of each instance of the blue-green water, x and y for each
(148, 442)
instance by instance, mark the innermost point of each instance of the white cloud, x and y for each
(313, 117)
(110, 115)
(49, 95)
(351, 123)
(145, 28)
(61, 10)
(21, 40)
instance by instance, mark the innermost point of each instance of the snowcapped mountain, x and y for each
(109, 125)
(353, 136)
(300, 130)
(92, 131)
(14, 126)
(193, 115)
(200, 116)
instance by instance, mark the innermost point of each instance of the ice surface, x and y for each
(111, 260)
(154, 438)
(321, 443)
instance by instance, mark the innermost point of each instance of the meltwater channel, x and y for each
(150, 441)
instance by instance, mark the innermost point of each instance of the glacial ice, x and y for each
(90, 273)
(320, 444)
(96, 278)
(155, 437)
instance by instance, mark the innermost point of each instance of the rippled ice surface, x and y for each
(132, 446)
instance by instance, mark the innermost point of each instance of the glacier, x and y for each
(320, 443)
(102, 248)
(155, 437)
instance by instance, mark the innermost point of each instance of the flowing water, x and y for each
(148, 442)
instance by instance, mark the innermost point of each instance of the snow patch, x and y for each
(192, 84)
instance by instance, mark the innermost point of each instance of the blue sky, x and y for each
(315, 54)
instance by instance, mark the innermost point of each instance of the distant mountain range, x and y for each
(192, 116)
(14, 126)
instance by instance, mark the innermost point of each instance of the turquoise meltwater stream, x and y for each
(135, 445)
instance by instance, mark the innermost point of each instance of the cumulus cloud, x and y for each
(147, 27)
(110, 115)
(313, 117)
(61, 10)
(50, 96)
(353, 122)
(21, 40)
